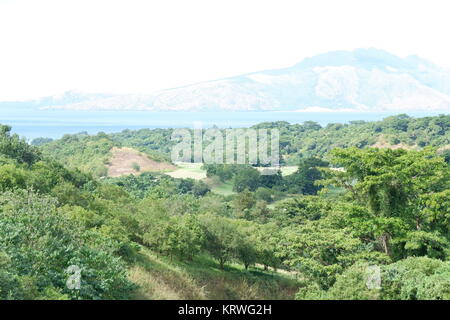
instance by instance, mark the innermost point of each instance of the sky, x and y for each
(132, 46)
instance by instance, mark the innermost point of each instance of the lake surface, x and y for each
(55, 123)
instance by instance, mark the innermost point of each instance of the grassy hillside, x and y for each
(223, 188)
(159, 277)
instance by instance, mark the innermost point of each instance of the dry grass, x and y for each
(125, 161)
(160, 281)
(383, 144)
(160, 278)
(441, 149)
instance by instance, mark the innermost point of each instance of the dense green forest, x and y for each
(297, 141)
(313, 234)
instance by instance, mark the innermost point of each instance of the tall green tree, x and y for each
(395, 186)
(303, 181)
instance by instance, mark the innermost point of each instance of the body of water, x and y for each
(55, 123)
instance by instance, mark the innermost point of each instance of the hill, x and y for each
(360, 80)
(150, 236)
(161, 278)
(103, 155)
(125, 161)
(93, 153)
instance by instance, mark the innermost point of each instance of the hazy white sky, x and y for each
(121, 46)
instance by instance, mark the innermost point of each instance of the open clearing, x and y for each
(126, 161)
(194, 171)
(383, 144)
(223, 188)
(188, 170)
(286, 171)
(447, 147)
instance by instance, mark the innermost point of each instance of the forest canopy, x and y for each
(363, 195)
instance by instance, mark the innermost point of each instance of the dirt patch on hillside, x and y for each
(442, 149)
(383, 144)
(125, 161)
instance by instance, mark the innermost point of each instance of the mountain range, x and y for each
(359, 80)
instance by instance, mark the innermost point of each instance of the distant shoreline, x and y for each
(32, 124)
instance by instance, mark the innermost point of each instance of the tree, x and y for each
(38, 244)
(446, 155)
(12, 177)
(200, 189)
(13, 147)
(136, 167)
(246, 178)
(223, 171)
(260, 213)
(303, 181)
(299, 209)
(267, 239)
(271, 180)
(393, 184)
(220, 238)
(417, 278)
(264, 194)
(321, 250)
(243, 203)
(40, 141)
(245, 252)
(414, 278)
(182, 237)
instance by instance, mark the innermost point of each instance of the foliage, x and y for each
(87, 153)
(11, 146)
(397, 186)
(38, 244)
(297, 141)
(303, 181)
(414, 278)
(343, 210)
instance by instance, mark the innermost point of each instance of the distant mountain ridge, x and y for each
(359, 80)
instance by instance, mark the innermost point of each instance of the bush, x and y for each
(414, 278)
(136, 167)
(38, 244)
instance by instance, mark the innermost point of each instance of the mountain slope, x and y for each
(360, 80)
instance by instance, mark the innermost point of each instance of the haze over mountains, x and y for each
(360, 80)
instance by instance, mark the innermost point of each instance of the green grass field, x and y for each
(188, 170)
(285, 171)
(194, 171)
(224, 188)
